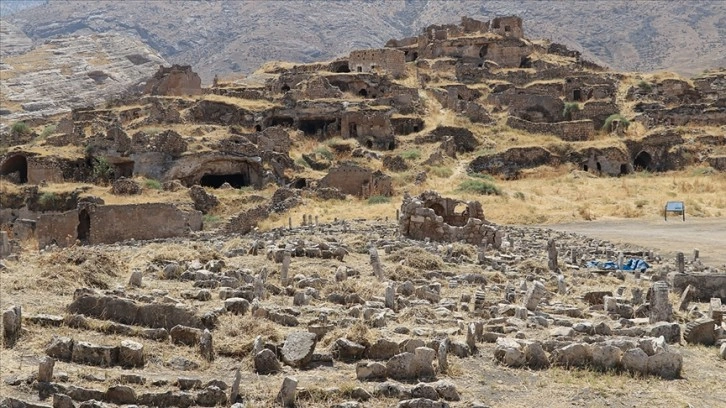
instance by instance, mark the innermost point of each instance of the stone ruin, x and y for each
(177, 80)
(430, 216)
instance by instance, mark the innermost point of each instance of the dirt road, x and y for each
(706, 234)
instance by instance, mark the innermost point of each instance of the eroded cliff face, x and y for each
(68, 72)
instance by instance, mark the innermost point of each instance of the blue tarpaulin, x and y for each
(634, 264)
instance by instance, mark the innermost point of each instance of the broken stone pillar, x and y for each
(12, 323)
(376, 263)
(686, 297)
(574, 260)
(534, 295)
(610, 304)
(45, 369)
(443, 355)
(521, 313)
(259, 286)
(561, 286)
(286, 396)
(205, 345)
(715, 311)
(289, 222)
(695, 254)
(391, 296)
(660, 307)
(680, 262)
(305, 220)
(341, 273)
(135, 280)
(398, 215)
(471, 337)
(234, 391)
(423, 362)
(636, 296)
(621, 260)
(284, 270)
(552, 255)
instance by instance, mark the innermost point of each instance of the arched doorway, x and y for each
(483, 51)
(16, 164)
(84, 226)
(643, 161)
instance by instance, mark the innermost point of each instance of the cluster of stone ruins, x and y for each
(242, 137)
(474, 69)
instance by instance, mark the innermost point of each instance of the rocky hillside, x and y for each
(68, 72)
(237, 36)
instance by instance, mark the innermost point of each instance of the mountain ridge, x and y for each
(236, 37)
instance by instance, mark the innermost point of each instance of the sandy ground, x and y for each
(708, 235)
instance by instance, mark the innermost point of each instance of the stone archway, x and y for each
(84, 226)
(16, 164)
(643, 161)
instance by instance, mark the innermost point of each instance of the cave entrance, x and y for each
(599, 167)
(391, 145)
(415, 56)
(16, 164)
(585, 167)
(258, 128)
(342, 68)
(525, 62)
(643, 161)
(363, 93)
(623, 169)
(285, 88)
(353, 130)
(577, 95)
(483, 51)
(314, 127)
(84, 226)
(236, 180)
(125, 169)
(299, 183)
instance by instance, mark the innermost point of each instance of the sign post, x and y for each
(677, 207)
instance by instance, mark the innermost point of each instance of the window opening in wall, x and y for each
(585, 168)
(258, 128)
(623, 169)
(577, 95)
(363, 93)
(360, 69)
(285, 88)
(84, 226)
(483, 50)
(599, 167)
(369, 144)
(507, 28)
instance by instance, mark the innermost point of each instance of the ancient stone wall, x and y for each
(389, 60)
(577, 130)
(57, 228)
(534, 108)
(359, 181)
(509, 26)
(40, 170)
(111, 223)
(597, 111)
(434, 217)
(176, 80)
(371, 128)
(510, 162)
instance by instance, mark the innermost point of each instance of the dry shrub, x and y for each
(236, 334)
(179, 253)
(78, 266)
(403, 273)
(459, 248)
(417, 312)
(533, 266)
(586, 213)
(417, 258)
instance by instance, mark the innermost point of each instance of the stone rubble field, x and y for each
(353, 314)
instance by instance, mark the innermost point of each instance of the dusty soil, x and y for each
(708, 235)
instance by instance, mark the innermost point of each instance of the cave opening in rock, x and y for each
(16, 167)
(315, 127)
(236, 180)
(643, 161)
(342, 68)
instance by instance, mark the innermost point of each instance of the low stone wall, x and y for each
(577, 130)
(115, 223)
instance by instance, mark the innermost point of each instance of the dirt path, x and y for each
(706, 234)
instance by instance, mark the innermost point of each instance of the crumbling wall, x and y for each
(510, 162)
(47, 170)
(359, 181)
(110, 223)
(389, 60)
(577, 130)
(426, 216)
(57, 228)
(371, 128)
(176, 80)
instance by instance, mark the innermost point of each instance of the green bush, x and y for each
(210, 220)
(570, 107)
(47, 131)
(324, 152)
(102, 169)
(484, 176)
(152, 184)
(47, 199)
(379, 200)
(645, 86)
(519, 195)
(412, 154)
(615, 117)
(20, 128)
(301, 162)
(479, 187)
